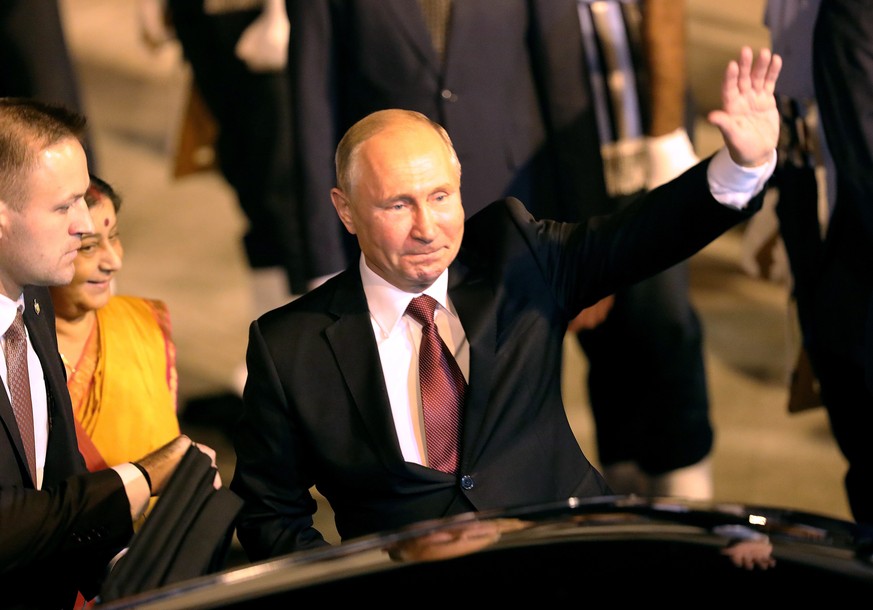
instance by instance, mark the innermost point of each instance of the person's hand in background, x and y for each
(749, 118)
(751, 554)
(593, 315)
(155, 27)
(263, 46)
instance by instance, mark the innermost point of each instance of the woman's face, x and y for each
(97, 262)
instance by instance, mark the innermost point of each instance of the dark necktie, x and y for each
(442, 389)
(19, 387)
(436, 16)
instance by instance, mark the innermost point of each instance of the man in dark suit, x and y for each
(835, 307)
(36, 58)
(332, 396)
(252, 110)
(539, 112)
(59, 524)
(825, 211)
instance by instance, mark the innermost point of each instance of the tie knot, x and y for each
(422, 309)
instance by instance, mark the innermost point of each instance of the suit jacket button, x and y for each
(467, 482)
(448, 95)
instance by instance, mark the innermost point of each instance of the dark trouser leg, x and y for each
(647, 382)
(849, 406)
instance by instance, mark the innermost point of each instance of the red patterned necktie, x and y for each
(442, 389)
(18, 379)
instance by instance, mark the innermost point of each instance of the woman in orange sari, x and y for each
(118, 351)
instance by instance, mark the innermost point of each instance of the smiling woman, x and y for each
(118, 352)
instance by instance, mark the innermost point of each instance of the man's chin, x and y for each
(62, 278)
(418, 282)
(430, 275)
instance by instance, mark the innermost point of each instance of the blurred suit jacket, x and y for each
(60, 540)
(843, 71)
(511, 92)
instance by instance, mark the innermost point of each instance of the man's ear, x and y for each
(4, 216)
(343, 209)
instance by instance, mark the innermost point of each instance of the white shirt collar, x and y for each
(8, 307)
(387, 303)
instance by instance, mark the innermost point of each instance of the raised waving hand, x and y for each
(749, 118)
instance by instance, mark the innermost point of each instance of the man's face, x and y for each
(39, 239)
(99, 259)
(405, 206)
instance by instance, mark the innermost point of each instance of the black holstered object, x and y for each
(187, 534)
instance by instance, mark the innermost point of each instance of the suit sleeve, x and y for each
(313, 57)
(588, 261)
(86, 516)
(843, 74)
(563, 86)
(663, 228)
(271, 475)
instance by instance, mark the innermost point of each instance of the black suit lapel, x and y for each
(352, 342)
(62, 453)
(474, 299)
(40, 320)
(7, 416)
(353, 345)
(40, 329)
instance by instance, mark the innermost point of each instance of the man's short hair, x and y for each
(27, 127)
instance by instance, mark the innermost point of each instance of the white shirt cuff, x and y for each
(136, 487)
(734, 185)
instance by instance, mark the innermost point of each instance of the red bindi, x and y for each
(105, 222)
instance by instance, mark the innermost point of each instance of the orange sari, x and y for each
(124, 387)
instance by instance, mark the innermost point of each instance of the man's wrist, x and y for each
(135, 487)
(145, 473)
(734, 185)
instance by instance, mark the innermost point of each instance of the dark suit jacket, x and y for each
(35, 57)
(59, 539)
(317, 411)
(843, 72)
(253, 145)
(511, 93)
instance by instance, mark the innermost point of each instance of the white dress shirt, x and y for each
(38, 398)
(398, 337)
